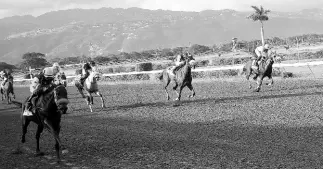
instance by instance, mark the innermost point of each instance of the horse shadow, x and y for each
(211, 100)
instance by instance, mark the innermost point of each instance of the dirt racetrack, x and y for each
(225, 126)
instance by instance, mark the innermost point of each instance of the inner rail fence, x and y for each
(231, 67)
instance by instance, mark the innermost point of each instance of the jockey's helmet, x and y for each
(267, 46)
(48, 72)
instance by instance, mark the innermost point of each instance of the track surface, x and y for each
(225, 126)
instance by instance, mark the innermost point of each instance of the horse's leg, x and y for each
(271, 81)
(81, 92)
(247, 77)
(1, 90)
(25, 123)
(180, 93)
(89, 101)
(166, 83)
(192, 90)
(102, 100)
(175, 88)
(259, 83)
(40, 128)
(8, 97)
(13, 94)
(56, 137)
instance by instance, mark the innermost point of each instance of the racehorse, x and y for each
(6, 89)
(48, 111)
(61, 79)
(265, 70)
(182, 78)
(90, 86)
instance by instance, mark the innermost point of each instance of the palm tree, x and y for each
(260, 15)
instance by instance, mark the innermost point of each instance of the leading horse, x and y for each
(265, 70)
(7, 89)
(182, 78)
(48, 111)
(90, 86)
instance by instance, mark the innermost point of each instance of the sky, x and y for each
(38, 7)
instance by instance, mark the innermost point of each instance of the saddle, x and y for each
(45, 92)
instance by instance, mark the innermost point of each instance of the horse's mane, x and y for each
(184, 71)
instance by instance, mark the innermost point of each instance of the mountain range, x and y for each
(92, 32)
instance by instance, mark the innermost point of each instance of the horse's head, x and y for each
(190, 60)
(94, 76)
(61, 100)
(273, 57)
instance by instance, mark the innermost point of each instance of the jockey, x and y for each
(179, 61)
(56, 69)
(45, 81)
(63, 76)
(260, 51)
(87, 67)
(5, 75)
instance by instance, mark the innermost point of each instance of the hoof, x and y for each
(23, 140)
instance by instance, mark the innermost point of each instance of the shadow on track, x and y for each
(208, 100)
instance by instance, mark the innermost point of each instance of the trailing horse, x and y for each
(182, 78)
(61, 79)
(7, 89)
(90, 86)
(48, 111)
(265, 70)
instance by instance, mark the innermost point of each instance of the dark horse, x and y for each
(49, 108)
(265, 70)
(183, 77)
(6, 89)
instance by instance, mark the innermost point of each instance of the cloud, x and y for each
(38, 7)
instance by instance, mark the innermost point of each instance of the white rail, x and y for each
(315, 63)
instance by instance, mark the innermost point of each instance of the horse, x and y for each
(265, 70)
(6, 89)
(48, 111)
(61, 79)
(90, 86)
(182, 78)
